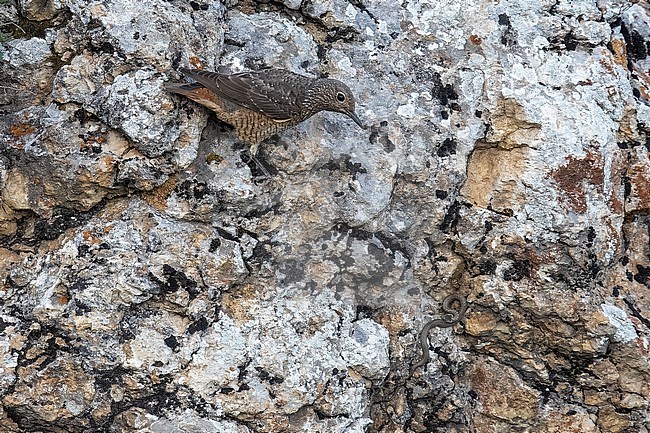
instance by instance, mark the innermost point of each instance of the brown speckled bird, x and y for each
(260, 104)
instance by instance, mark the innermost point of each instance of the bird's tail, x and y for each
(182, 88)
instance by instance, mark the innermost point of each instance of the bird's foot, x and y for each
(265, 173)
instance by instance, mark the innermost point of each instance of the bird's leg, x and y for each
(251, 154)
(260, 166)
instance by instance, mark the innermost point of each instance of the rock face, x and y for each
(152, 280)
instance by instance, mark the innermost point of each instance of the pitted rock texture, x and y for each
(153, 279)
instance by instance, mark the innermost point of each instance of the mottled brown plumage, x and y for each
(260, 104)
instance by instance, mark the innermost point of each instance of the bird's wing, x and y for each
(266, 91)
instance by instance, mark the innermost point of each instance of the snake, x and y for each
(450, 317)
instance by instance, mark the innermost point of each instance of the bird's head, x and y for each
(332, 95)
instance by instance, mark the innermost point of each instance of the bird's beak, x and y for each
(356, 119)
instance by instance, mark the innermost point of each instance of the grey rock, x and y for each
(144, 259)
(292, 4)
(286, 45)
(27, 51)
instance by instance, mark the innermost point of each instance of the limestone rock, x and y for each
(153, 278)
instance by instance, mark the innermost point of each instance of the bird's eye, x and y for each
(340, 97)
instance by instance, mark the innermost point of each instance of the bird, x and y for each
(262, 103)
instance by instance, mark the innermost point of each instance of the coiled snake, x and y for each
(450, 317)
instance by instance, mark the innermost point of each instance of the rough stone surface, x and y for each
(151, 280)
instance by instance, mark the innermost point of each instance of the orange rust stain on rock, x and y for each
(574, 178)
(89, 237)
(620, 51)
(196, 62)
(20, 130)
(157, 198)
(638, 177)
(92, 140)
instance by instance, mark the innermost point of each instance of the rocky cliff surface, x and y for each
(153, 280)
